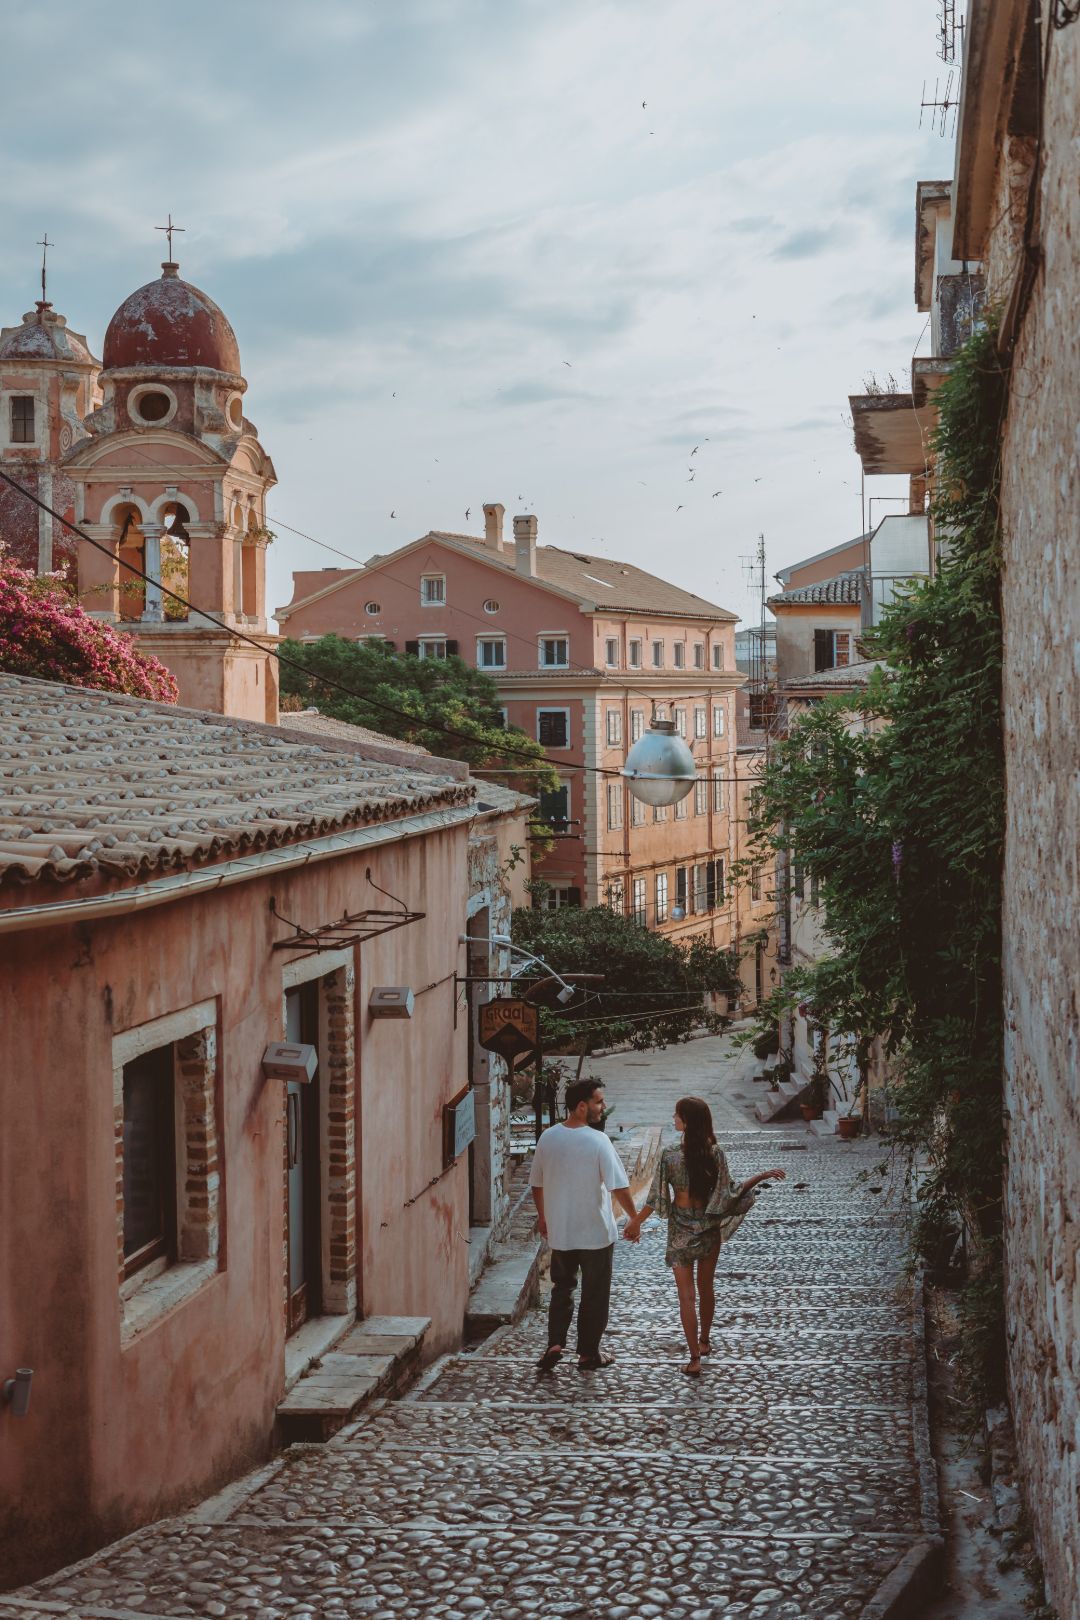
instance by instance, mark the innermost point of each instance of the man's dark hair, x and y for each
(579, 1091)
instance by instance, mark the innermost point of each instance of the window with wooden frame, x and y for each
(611, 652)
(658, 655)
(680, 722)
(682, 809)
(633, 654)
(832, 649)
(700, 723)
(661, 897)
(717, 655)
(554, 652)
(699, 655)
(718, 720)
(491, 652)
(613, 722)
(432, 590)
(637, 724)
(637, 812)
(638, 901)
(614, 806)
(679, 654)
(22, 419)
(701, 797)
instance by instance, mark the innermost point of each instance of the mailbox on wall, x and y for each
(459, 1123)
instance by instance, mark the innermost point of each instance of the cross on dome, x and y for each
(169, 229)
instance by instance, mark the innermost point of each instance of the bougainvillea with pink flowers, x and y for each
(44, 632)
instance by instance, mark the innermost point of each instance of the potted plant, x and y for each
(849, 1126)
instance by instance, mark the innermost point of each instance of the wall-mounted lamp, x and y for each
(290, 1060)
(15, 1392)
(391, 1001)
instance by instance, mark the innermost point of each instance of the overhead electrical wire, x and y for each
(529, 760)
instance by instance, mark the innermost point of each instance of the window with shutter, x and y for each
(553, 728)
(637, 724)
(638, 903)
(412, 648)
(680, 886)
(554, 806)
(661, 897)
(823, 650)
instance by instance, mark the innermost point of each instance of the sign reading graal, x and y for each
(509, 1026)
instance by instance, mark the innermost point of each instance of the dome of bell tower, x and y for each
(167, 324)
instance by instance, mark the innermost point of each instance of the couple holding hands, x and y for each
(576, 1173)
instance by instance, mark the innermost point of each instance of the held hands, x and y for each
(632, 1230)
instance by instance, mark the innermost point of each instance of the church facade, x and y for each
(148, 451)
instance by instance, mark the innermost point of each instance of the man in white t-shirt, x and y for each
(575, 1174)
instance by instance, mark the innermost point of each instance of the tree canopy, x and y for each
(654, 987)
(44, 632)
(441, 703)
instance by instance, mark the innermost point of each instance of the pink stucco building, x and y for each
(181, 1228)
(582, 648)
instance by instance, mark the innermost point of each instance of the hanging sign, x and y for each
(509, 1026)
(460, 1124)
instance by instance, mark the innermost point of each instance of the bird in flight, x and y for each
(757, 480)
(643, 104)
(678, 509)
(468, 509)
(567, 363)
(717, 492)
(695, 450)
(393, 514)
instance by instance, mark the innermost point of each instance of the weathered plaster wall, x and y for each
(1041, 596)
(121, 1432)
(795, 626)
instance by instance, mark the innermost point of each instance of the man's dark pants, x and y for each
(595, 1268)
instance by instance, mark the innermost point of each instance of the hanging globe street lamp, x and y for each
(659, 768)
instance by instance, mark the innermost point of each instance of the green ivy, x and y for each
(894, 802)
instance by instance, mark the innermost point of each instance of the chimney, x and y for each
(525, 545)
(494, 513)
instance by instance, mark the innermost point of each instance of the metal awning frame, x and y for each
(351, 929)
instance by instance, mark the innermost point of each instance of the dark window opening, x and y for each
(22, 421)
(555, 806)
(153, 407)
(552, 728)
(149, 1160)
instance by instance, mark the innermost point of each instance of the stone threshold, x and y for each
(377, 1356)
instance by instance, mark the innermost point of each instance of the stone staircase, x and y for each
(379, 1356)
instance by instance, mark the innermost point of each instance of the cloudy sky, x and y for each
(465, 262)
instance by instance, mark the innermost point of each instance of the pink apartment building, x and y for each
(582, 648)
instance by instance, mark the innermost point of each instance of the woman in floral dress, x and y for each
(693, 1188)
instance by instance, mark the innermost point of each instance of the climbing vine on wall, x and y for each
(894, 801)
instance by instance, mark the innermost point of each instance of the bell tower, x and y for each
(172, 480)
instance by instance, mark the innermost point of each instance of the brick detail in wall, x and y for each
(339, 1176)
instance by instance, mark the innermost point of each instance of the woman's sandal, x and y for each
(692, 1368)
(705, 1347)
(550, 1358)
(594, 1363)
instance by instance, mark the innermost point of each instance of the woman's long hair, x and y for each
(699, 1145)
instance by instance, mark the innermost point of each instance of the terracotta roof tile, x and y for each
(845, 588)
(97, 785)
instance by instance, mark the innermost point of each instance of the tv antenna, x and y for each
(950, 34)
(942, 105)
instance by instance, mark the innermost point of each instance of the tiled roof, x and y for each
(492, 794)
(847, 675)
(94, 785)
(602, 580)
(845, 588)
(315, 724)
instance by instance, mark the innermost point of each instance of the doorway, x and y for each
(303, 1182)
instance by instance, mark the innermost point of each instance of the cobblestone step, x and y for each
(746, 1338)
(329, 1573)
(758, 1426)
(380, 1489)
(496, 1380)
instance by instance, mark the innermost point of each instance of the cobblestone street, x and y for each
(786, 1482)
